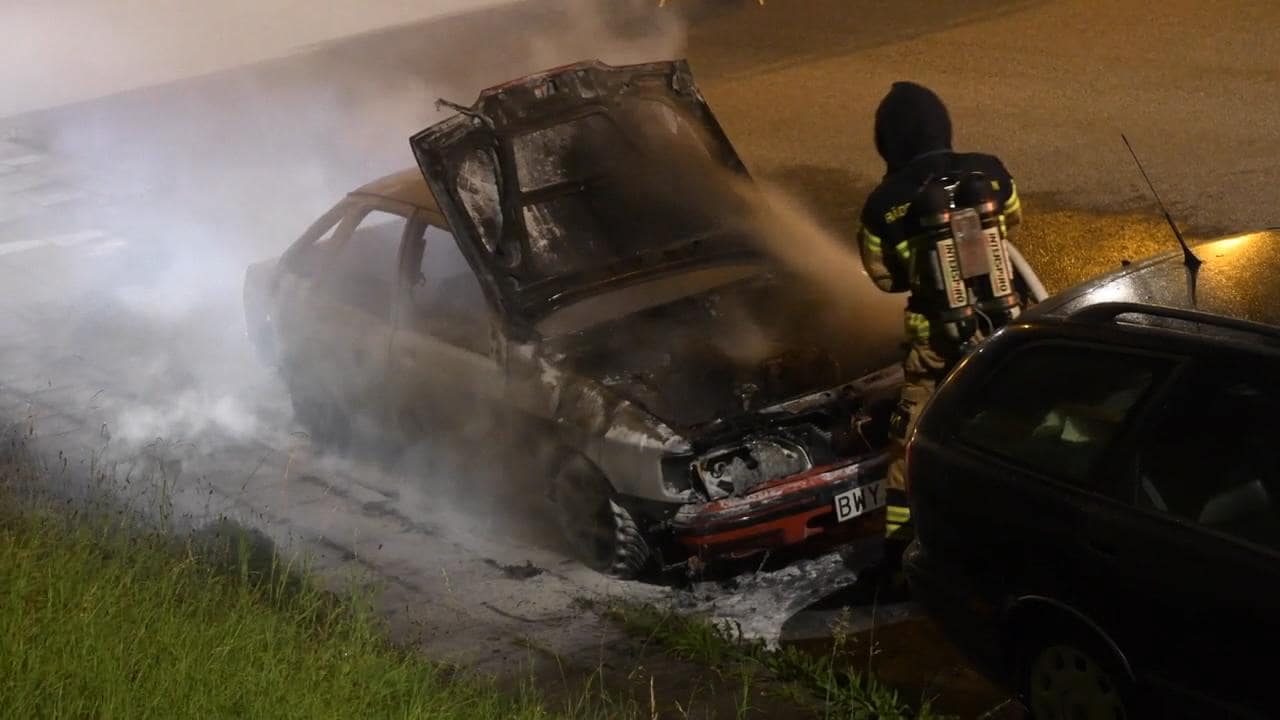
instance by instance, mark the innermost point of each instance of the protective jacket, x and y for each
(913, 135)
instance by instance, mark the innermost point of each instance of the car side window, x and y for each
(363, 272)
(447, 301)
(1212, 458)
(1057, 408)
(306, 258)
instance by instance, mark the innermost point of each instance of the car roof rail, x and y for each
(1109, 311)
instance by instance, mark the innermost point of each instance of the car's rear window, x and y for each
(1211, 457)
(1055, 408)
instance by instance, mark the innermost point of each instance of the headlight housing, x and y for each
(737, 469)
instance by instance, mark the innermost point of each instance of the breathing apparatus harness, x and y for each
(960, 271)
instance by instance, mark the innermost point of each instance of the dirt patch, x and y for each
(516, 572)
(909, 653)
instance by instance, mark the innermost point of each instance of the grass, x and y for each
(816, 682)
(99, 622)
(105, 613)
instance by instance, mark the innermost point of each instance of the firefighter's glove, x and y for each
(900, 419)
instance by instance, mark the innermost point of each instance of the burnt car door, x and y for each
(340, 313)
(444, 373)
(1197, 559)
(566, 181)
(1033, 460)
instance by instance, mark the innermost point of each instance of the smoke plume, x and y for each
(675, 176)
(203, 176)
(199, 177)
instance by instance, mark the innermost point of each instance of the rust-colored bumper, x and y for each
(784, 513)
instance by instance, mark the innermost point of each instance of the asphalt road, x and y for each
(1047, 86)
(145, 206)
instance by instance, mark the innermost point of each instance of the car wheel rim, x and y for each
(1068, 684)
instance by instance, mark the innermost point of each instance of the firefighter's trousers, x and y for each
(922, 369)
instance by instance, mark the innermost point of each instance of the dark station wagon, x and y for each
(1097, 493)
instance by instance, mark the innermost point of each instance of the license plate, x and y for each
(859, 501)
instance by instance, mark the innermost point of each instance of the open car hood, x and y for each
(547, 183)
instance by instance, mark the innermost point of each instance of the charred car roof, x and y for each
(536, 178)
(406, 186)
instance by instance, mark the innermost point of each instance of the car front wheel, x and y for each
(320, 414)
(1069, 680)
(598, 530)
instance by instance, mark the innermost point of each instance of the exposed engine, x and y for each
(736, 470)
(823, 429)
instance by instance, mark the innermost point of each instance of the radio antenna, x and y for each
(1188, 258)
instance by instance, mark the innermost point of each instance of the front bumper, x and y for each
(783, 513)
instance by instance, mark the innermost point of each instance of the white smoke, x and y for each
(207, 175)
(191, 413)
(61, 51)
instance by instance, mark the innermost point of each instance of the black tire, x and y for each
(1065, 675)
(596, 528)
(321, 416)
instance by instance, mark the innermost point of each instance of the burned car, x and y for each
(672, 392)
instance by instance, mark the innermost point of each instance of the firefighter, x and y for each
(901, 223)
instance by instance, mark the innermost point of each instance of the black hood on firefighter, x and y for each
(910, 122)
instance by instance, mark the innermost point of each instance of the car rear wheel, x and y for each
(598, 530)
(1070, 680)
